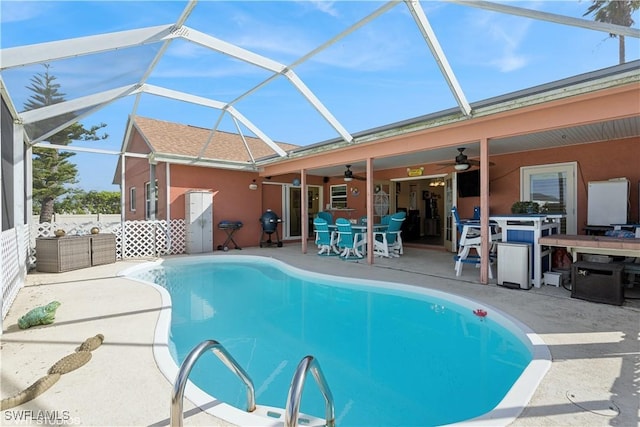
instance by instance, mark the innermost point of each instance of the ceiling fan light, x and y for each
(348, 179)
(462, 166)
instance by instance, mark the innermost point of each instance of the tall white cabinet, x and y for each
(199, 221)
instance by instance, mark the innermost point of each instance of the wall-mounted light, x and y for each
(253, 185)
(296, 182)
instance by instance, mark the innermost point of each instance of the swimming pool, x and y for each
(393, 354)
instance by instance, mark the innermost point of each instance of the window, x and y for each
(553, 186)
(339, 196)
(132, 199)
(147, 197)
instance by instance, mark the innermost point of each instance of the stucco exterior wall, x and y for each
(596, 162)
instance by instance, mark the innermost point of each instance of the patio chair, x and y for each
(348, 242)
(327, 216)
(470, 240)
(388, 243)
(325, 239)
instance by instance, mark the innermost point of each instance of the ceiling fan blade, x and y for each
(361, 178)
(473, 162)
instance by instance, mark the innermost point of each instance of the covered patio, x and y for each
(592, 380)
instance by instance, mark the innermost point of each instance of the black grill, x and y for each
(269, 221)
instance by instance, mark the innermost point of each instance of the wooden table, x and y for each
(602, 245)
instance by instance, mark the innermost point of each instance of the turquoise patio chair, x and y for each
(325, 239)
(349, 243)
(327, 216)
(388, 243)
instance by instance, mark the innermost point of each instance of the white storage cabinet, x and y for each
(199, 221)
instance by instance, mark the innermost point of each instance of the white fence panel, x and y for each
(14, 246)
(143, 239)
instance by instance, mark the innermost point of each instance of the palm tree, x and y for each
(614, 12)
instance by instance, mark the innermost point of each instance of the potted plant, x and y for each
(525, 207)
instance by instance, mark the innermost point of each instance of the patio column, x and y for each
(369, 193)
(304, 210)
(484, 211)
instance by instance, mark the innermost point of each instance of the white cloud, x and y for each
(501, 37)
(324, 6)
(16, 11)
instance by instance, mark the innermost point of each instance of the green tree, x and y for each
(52, 170)
(617, 12)
(92, 202)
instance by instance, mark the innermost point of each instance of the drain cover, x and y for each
(598, 406)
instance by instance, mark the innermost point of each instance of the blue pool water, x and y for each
(391, 357)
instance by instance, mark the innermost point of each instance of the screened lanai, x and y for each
(262, 68)
(319, 75)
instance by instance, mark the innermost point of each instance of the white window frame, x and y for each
(147, 201)
(570, 169)
(338, 201)
(132, 199)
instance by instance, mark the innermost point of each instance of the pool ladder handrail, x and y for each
(308, 363)
(177, 395)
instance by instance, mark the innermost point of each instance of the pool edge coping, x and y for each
(504, 413)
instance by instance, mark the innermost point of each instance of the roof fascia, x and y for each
(52, 51)
(602, 80)
(620, 30)
(436, 50)
(152, 150)
(484, 109)
(210, 163)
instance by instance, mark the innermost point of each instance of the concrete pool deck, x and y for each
(594, 379)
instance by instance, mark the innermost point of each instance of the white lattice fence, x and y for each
(154, 238)
(15, 248)
(143, 238)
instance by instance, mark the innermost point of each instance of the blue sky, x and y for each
(380, 74)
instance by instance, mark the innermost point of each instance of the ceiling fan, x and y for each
(462, 162)
(349, 176)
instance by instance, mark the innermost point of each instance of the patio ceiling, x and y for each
(139, 52)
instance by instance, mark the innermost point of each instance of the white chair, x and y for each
(470, 240)
(388, 243)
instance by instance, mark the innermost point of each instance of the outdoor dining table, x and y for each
(358, 229)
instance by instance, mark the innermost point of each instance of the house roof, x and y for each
(167, 138)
